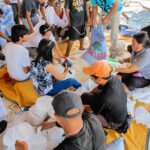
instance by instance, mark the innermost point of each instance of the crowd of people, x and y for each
(69, 19)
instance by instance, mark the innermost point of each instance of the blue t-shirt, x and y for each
(106, 5)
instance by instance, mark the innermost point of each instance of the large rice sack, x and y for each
(97, 49)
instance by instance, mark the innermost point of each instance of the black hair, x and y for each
(1, 12)
(147, 29)
(142, 38)
(44, 28)
(18, 31)
(45, 50)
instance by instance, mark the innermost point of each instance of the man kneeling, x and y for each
(82, 131)
(108, 100)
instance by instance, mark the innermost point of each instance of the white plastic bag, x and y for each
(131, 107)
(24, 132)
(3, 111)
(38, 112)
(88, 86)
(54, 136)
(142, 116)
(141, 94)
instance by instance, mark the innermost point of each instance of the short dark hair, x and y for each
(1, 12)
(147, 29)
(18, 31)
(44, 28)
(45, 50)
(142, 38)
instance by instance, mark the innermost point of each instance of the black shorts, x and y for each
(76, 33)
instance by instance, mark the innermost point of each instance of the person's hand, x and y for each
(104, 21)
(89, 22)
(62, 32)
(95, 90)
(31, 30)
(66, 69)
(46, 125)
(21, 145)
(19, 14)
(9, 39)
(121, 61)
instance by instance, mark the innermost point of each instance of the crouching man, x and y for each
(108, 100)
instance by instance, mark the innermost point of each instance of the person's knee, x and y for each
(73, 82)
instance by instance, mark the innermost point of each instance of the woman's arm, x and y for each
(52, 69)
(126, 60)
(133, 68)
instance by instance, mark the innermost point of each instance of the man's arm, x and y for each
(4, 36)
(28, 16)
(94, 15)
(111, 13)
(68, 15)
(19, 6)
(42, 9)
(47, 125)
(88, 14)
(67, 9)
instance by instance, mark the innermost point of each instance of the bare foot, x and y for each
(81, 48)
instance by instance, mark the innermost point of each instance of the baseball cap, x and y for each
(65, 102)
(99, 69)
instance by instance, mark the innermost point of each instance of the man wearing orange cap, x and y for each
(108, 100)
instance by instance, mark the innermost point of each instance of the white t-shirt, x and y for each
(35, 38)
(50, 15)
(62, 22)
(16, 57)
(53, 19)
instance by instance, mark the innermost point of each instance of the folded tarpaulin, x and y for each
(137, 136)
(23, 93)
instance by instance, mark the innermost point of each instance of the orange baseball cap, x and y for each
(99, 69)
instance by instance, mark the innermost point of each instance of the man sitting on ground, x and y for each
(17, 56)
(108, 100)
(81, 131)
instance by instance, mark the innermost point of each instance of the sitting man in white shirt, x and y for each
(16, 55)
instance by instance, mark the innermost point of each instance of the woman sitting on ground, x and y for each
(137, 75)
(45, 74)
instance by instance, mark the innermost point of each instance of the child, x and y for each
(56, 17)
(43, 33)
(17, 57)
(77, 12)
(50, 12)
(61, 21)
(44, 72)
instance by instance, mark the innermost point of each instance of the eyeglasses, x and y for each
(95, 77)
(105, 78)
